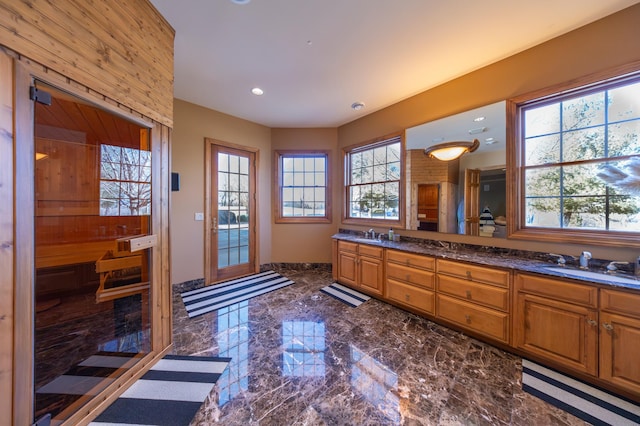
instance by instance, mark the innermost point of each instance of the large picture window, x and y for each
(578, 159)
(374, 181)
(303, 190)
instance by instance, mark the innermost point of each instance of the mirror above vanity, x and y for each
(466, 195)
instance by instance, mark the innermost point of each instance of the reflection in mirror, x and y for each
(436, 189)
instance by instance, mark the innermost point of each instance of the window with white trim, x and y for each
(374, 181)
(303, 189)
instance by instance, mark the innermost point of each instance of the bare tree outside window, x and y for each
(374, 181)
(125, 181)
(582, 160)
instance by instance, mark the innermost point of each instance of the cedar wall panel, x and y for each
(120, 48)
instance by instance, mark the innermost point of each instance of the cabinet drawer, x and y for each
(347, 246)
(365, 250)
(413, 260)
(410, 275)
(565, 291)
(484, 321)
(485, 294)
(415, 297)
(620, 302)
(474, 273)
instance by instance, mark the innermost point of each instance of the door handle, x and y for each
(214, 225)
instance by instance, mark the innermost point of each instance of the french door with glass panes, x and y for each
(231, 212)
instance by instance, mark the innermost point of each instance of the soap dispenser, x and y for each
(390, 234)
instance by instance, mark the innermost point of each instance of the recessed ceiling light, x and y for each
(477, 130)
(478, 119)
(490, 141)
(257, 91)
(240, 1)
(357, 105)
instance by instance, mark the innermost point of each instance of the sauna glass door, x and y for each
(93, 247)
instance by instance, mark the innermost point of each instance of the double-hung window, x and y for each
(578, 162)
(303, 192)
(373, 182)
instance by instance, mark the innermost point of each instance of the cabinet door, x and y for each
(347, 268)
(371, 276)
(561, 332)
(619, 349)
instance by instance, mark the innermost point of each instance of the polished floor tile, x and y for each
(300, 357)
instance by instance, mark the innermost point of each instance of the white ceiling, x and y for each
(314, 58)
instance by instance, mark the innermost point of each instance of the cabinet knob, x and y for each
(592, 322)
(407, 277)
(468, 294)
(468, 275)
(468, 318)
(407, 297)
(607, 326)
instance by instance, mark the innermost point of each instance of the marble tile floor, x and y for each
(301, 357)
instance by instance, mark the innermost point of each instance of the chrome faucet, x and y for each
(561, 260)
(612, 269)
(584, 259)
(372, 233)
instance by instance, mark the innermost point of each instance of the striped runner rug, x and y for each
(212, 298)
(169, 394)
(580, 399)
(345, 294)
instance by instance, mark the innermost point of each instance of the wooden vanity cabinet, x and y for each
(410, 280)
(620, 338)
(361, 266)
(557, 320)
(475, 298)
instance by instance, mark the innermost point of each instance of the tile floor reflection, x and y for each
(300, 357)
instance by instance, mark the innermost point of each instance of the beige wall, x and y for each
(289, 243)
(301, 243)
(192, 124)
(602, 45)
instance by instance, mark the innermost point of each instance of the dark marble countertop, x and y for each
(517, 260)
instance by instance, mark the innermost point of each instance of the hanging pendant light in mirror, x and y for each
(451, 150)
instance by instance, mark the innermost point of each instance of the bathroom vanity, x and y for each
(587, 325)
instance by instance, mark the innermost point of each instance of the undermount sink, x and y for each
(596, 276)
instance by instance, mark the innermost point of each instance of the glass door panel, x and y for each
(92, 198)
(233, 210)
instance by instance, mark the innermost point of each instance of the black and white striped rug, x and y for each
(212, 298)
(169, 394)
(580, 399)
(345, 294)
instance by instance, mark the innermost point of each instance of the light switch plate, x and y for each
(199, 216)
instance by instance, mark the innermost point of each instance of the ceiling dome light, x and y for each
(241, 1)
(257, 91)
(357, 106)
(451, 150)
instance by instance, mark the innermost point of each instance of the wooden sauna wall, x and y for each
(122, 49)
(118, 54)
